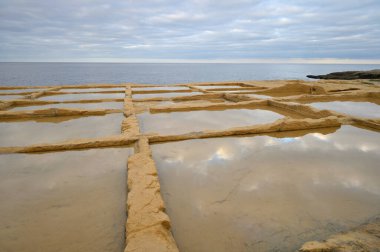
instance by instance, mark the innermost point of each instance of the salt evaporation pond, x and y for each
(164, 95)
(54, 129)
(92, 105)
(93, 96)
(159, 88)
(361, 109)
(268, 193)
(92, 89)
(190, 121)
(10, 97)
(63, 201)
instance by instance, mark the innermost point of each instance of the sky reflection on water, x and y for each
(265, 193)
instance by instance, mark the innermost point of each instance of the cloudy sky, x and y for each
(190, 31)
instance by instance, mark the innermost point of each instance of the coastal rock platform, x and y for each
(349, 75)
(282, 109)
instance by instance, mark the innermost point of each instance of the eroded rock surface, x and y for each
(363, 238)
(148, 226)
(349, 75)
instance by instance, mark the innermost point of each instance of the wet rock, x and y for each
(349, 75)
(363, 238)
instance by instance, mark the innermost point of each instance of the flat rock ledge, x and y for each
(363, 238)
(348, 75)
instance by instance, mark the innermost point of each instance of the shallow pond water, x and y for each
(91, 89)
(11, 97)
(216, 87)
(20, 90)
(259, 96)
(94, 105)
(165, 95)
(55, 129)
(63, 201)
(242, 91)
(268, 193)
(361, 109)
(159, 88)
(190, 121)
(72, 97)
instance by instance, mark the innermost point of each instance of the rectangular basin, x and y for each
(63, 201)
(191, 121)
(57, 129)
(159, 88)
(91, 89)
(10, 97)
(216, 87)
(33, 90)
(268, 193)
(360, 109)
(94, 105)
(258, 96)
(164, 95)
(76, 97)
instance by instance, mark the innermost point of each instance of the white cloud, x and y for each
(208, 30)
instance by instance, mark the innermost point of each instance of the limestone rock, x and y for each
(349, 75)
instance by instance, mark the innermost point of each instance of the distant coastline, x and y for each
(36, 74)
(348, 75)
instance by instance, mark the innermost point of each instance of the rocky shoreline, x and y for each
(348, 75)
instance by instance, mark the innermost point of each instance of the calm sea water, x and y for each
(19, 74)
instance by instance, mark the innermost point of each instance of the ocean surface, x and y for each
(35, 74)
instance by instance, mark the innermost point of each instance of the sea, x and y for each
(37, 74)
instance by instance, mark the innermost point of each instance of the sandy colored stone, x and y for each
(128, 106)
(365, 238)
(182, 98)
(128, 91)
(286, 124)
(305, 110)
(5, 105)
(293, 89)
(205, 106)
(161, 91)
(148, 226)
(130, 126)
(100, 142)
(52, 112)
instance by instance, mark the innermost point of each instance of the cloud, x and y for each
(189, 30)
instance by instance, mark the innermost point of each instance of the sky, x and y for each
(308, 31)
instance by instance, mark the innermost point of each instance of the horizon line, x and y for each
(199, 61)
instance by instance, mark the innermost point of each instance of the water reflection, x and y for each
(266, 193)
(50, 130)
(20, 90)
(72, 97)
(183, 122)
(91, 89)
(164, 95)
(159, 88)
(10, 97)
(361, 109)
(63, 201)
(258, 96)
(95, 105)
(221, 86)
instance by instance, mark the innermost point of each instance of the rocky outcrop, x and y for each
(349, 75)
(364, 238)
